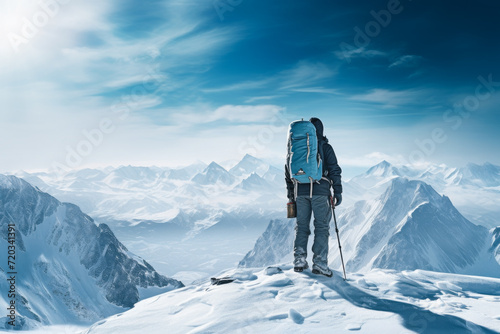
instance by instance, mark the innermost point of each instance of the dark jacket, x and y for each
(331, 169)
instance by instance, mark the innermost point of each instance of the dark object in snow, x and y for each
(222, 280)
(273, 271)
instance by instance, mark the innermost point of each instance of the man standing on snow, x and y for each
(318, 204)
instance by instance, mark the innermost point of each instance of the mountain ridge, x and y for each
(63, 257)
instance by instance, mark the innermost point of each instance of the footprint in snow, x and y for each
(296, 316)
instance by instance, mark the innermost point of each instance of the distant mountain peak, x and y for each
(249, 164)
(250, 157)
(8, 181)
(214, 165)
(253, 176)
(383, 168)
(417, 191)
(253, 182)
(212, 174)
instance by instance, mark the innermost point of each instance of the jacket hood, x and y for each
(319, 127)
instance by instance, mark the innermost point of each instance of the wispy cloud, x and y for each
(249, 114)
(244, 85)
(320, 90)
(298, 78)
(361, 52)
(305, 73)
(203, 43)
(260, 98)
(391, 98)
(406, 61)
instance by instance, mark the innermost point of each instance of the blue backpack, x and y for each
(303, 159)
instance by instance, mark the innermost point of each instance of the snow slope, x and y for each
(70, 270)
(278, 300)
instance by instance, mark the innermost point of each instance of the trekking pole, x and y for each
(338, 237)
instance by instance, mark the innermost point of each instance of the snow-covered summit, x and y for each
(278, 300)
(373, 180)
(432, 235)
(383, 169)
(249, 165)
(253, 183)
(11, 182)
(214, 173)
(411, 226)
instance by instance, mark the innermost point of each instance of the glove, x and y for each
(291, 198)
(338, 198)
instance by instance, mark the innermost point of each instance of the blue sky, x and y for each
(178, 81)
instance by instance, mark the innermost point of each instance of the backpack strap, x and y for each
(321, 142)
(295, 186)
(311, 187)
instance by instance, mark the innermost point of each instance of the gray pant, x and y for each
(320, 207)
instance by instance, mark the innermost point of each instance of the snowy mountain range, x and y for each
(155, 210)
(410, 226)
(134, 195)
(69, 269)
(153, 194)
(391, 218)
